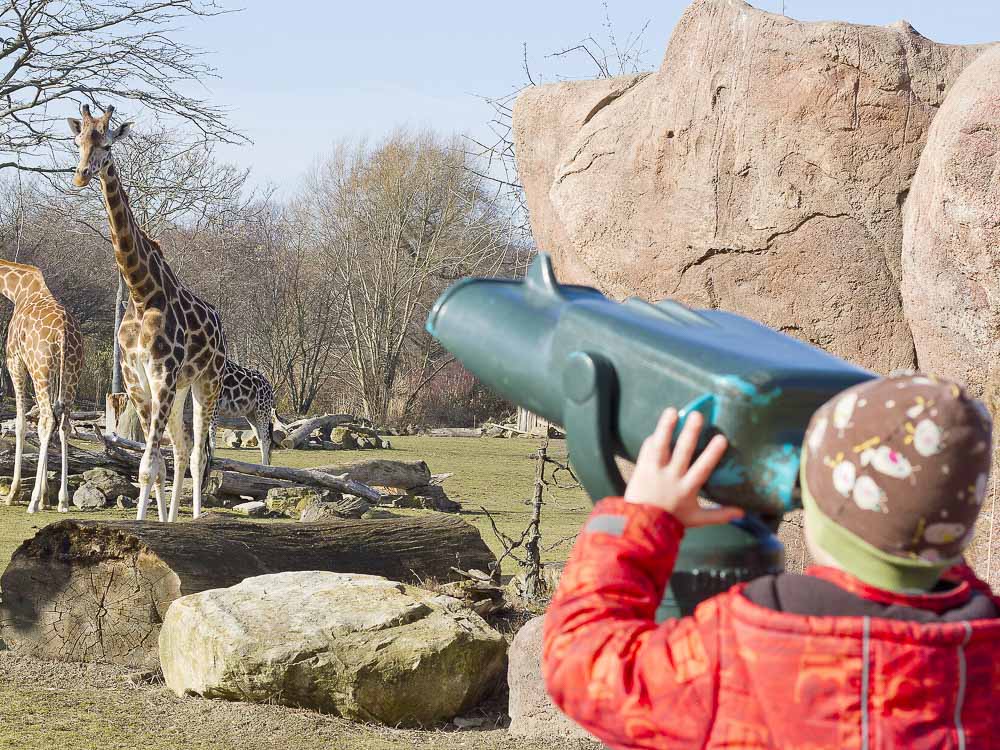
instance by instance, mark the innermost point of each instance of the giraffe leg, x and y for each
(19, 377)
(206, 396)
(64, 427)
(152, 470)
(262, 429)
(182, 450)
(46, 421)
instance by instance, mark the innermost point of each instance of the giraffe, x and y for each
(171, 341)
(246, 392)
(44, 343)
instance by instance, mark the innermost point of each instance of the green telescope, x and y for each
(605, 371)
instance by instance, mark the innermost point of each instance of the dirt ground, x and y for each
(46, 705)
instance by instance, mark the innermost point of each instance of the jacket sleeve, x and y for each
(607, 664)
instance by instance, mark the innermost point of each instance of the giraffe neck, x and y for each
(18, 280)
(138, 257)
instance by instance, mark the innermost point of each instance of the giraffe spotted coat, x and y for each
(171, 340)
(246, 392)
(44, 343)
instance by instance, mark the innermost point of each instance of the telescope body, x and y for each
(605, 371)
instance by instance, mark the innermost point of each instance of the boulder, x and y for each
(343, 438)
(761, 170)
(232, 438)
(428, 497)
(110, 483)
(357, 646)
(254, 509)
(349, 506)
(291, 501)
(532, 713)
(951, 240)
(89, 497)
(124, 502)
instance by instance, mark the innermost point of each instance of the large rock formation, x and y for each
(951, 240)
(362, 647)
(762, 169)
(532, 712)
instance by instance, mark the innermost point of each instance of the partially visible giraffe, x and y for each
(171, 341)
(246, 392)
(45, 344)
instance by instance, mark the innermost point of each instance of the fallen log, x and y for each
(401, 474)
(298, 433)
(80, 460)
(98, 591)
(301, 477)
(455, 432)
(234, 484)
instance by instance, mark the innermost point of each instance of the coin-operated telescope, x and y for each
(605, 371)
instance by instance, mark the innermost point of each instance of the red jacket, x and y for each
(740, 675)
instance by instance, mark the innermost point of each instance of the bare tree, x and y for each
(299, 335)
(57, 54)
(398, 222)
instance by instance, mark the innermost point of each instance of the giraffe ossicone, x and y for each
(44, 343)
(171, 341)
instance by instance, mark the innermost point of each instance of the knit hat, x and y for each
(894, 472)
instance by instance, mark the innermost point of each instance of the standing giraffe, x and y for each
(247, 393)
(171, 341)
(45, 344)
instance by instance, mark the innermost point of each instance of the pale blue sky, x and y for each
(299, 74)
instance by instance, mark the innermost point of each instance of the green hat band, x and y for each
(863, 560)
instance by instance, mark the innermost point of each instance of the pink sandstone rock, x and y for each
(762, 170)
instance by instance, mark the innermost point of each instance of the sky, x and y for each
(298, 75)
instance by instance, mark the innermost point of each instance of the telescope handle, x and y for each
(589, 382)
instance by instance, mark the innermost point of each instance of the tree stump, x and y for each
(98, 591)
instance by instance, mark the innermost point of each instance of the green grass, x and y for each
(494, 474)
(81, 706)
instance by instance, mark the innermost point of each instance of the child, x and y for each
(891, 642)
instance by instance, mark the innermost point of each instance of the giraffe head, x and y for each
(94, 137)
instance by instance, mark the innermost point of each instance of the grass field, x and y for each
(494, 474)
(84, 706)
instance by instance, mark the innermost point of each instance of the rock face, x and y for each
(362, 647)
(951, 241)
(532, 713)
(762, 170)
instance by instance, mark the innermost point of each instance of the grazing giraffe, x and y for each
(171, 341)
(247, 393)
(45, 344)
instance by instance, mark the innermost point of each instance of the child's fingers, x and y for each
(656, 447)
(665, 433)
(712, 516)
(686, 443)
(706, 463)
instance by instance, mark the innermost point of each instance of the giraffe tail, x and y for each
(56, 388)
(206, 470)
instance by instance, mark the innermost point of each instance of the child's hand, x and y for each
(672, 482)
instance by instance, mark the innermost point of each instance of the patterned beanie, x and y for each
(894, 472)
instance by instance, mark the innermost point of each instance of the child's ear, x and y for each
(122, 131)
(74, 125)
